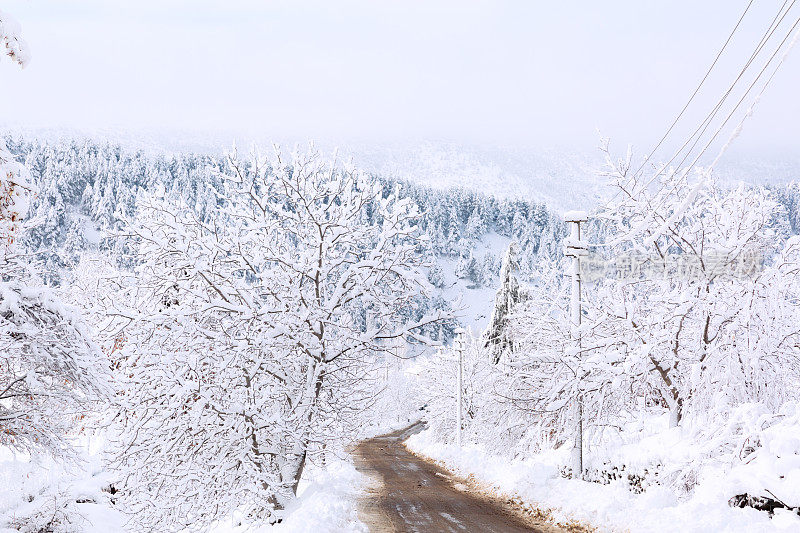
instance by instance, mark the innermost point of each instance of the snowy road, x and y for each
(409, 494)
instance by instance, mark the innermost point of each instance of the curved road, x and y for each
(409, 494)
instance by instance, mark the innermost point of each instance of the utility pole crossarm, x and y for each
(574, 245)
(576, 216)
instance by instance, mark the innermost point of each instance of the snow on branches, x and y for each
(252, 333)
(51, 371)
(15, 190)
(11, 40)
(691, 334)
(696, 313)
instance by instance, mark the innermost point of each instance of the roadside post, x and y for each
(459, 346)
(576, 248)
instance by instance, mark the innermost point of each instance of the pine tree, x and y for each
(476, 225)
(498, 339)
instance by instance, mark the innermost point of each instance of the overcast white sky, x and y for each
(490, 72)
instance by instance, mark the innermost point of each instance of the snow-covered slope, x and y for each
(563, 179)
(474, 303)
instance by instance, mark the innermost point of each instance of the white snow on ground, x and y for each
(371, 431)
(36, 490)
(536, 480)
(90, 232)
(327, 503)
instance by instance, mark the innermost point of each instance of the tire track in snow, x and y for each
(409, 494)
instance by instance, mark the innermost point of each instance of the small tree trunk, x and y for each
(301, 465)
(674, 400)
(675, 410)
(294, 471)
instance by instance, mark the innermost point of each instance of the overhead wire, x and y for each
(749, 88)
(696, 91)
(706, 122)
(738, 128)
(699, 86)
(709, 118)
(774, 25)
(736, 107)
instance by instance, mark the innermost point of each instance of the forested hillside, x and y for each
(87, 190)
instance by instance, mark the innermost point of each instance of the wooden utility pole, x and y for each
(576, 249)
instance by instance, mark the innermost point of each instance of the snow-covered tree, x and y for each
(50, 371)
(247, 345)
(11, 40)
(498, 335)
(491, 417)
(14, 178)
(684, 305)
(15, 192)
(436, 276)
(567, 377)
(476, 225)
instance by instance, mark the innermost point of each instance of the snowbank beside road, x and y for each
(326, 503)
(45, 495)
(613, 507)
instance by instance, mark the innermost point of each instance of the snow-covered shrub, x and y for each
(48, 512)
(41, 493)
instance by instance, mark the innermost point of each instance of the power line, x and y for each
(697, 89)
(736, 107)
(706, 122)
(757, 99)
(749, 88)
(691, 98)
(710, 117)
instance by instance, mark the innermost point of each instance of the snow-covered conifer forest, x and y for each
(275, 339)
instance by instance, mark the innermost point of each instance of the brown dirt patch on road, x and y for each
(410, 494)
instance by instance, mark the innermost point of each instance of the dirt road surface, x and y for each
(408, 494)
